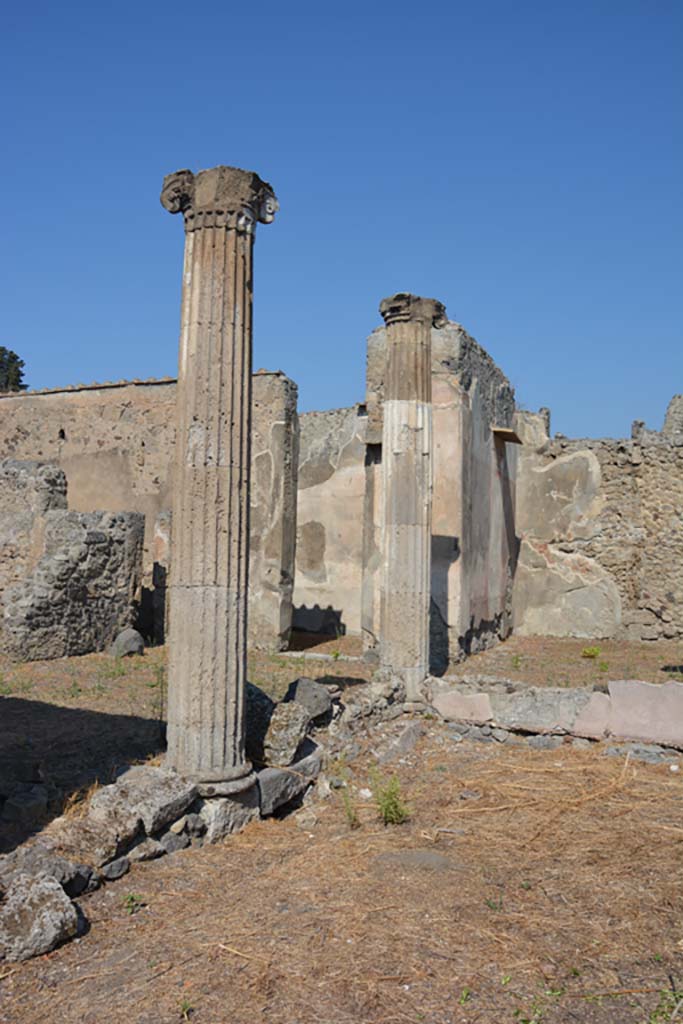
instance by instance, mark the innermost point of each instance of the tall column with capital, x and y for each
(210, 526)
(407, 488)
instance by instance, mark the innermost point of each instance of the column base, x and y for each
(226, 787)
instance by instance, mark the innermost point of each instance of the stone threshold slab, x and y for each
(630, 709)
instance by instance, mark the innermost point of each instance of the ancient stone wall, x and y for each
(115, 444)
(602, 527)
(81, 592)
(329, 548)
(68, 580)
(28, 490)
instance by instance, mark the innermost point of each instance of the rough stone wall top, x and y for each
(673, 421)
(454, 352)
(621, 517)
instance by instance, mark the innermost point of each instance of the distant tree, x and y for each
(11, 371)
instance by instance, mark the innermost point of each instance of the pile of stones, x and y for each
(149, 812)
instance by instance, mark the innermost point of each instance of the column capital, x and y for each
(403, 306)
(221, 197)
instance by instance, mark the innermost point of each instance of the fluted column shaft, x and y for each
(407, 489)
(210, 526)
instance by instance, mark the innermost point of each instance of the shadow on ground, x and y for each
(48, 753)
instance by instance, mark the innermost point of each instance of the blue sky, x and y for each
(522, 162)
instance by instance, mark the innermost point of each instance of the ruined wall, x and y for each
(327, 590)
(82, 590)
(474, 545)
(602, 526)
(68, 580)
(115, 444)
(27, 492)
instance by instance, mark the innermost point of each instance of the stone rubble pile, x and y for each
(150, 812)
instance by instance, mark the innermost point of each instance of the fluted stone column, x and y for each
(210, 530)
(407, 488)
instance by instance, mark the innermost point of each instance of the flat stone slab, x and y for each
(277, 786)
(652, 712)
(456, 706)
(539, 709)
(630, 710)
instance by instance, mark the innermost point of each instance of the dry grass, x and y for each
(555, 897)
(549, 661)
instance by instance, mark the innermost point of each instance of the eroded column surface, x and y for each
(407, 488)
(210, 533)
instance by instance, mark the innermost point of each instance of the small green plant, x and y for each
(114, 668)
(5, 687)
(525, 885)
(186, 1009)
(534, 1015)
(506, 979)
(494, 904)
(133, 903)
(603, 666)
(352, 819)
(74, 689)
(590, 652)
(516, 661)
(390, 804)
(465, 996)
(336, 655)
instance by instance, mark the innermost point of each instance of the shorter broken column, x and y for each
(407, 489)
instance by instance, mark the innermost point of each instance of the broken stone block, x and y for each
(173, 841)
(286, 731)
(259, 711)
(143, 795)
(314, 697)
(224, 815)
(403, 743)
(277, 786)
(35, 916)
(115, 869)
(127, 642)
(39, 860)
(148, 849)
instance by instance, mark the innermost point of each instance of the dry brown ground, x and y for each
(556, 894)
(548, 661)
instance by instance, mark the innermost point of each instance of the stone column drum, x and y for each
(210, 531)
(407, 489)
